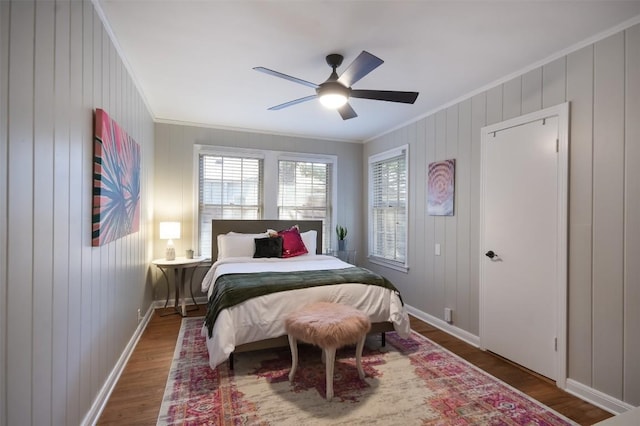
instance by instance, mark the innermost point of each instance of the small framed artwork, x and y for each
(441, 188)
(116, 182)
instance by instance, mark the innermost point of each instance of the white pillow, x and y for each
(237, 245)
(309, 240)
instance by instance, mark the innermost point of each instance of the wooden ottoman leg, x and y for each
(293, 344)
(359, 348)
(330, 356)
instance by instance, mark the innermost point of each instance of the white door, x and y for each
(520, 242)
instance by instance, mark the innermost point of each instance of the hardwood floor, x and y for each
(137, 397)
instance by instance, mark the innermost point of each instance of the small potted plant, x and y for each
(341, 231)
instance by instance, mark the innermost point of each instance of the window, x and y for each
(388, 196)
(230, 187)
(236, 183)
(304, 193)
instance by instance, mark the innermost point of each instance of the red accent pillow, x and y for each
(292, 244)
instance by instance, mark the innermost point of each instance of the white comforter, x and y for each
(263, 317)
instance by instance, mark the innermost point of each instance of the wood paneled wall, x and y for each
(67, 309)
(602, 83)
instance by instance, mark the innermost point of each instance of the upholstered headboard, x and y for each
(219, 226)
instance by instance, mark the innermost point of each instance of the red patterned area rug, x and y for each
(408, 382)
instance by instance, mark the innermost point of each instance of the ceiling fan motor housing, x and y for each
(333, 88)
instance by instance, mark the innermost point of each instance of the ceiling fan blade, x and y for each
(286, 77)
(386, 95)
(346, 112)
(293, 102)
(361, 66)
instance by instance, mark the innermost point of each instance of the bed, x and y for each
(240, 320)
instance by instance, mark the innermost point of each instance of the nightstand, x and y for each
(179, 266)
(348, 256)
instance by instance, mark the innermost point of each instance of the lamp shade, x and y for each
(169, 230)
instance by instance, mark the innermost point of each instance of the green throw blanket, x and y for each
(232, 289)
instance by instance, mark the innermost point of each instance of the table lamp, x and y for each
(170, 231)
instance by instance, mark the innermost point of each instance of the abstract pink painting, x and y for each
(441, 186)
(116, 182)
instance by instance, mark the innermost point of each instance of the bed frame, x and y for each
(222, 226)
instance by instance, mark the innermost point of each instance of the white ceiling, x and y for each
(193, 60)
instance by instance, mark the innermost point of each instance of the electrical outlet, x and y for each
(139, 315)
(437, 249)
(448, 315)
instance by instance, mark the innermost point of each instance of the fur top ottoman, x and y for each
(328, 325)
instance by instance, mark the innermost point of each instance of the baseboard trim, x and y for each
(597, 398)
(202, 300)
(92, 416)
(461, 334)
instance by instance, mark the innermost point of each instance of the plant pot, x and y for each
(342, 245)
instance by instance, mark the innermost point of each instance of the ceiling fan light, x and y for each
(333, 100)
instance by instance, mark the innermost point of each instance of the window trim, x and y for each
(315, 158)
(269, 179)
(198, 150)
(385, 155)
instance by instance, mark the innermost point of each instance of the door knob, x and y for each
(490, 254)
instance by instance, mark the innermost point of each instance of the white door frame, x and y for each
(562, 112)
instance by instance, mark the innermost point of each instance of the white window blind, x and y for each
(304, 193)
(388, 202)
(230, 187)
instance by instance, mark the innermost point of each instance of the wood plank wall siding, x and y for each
(602, 83)
(67, 310)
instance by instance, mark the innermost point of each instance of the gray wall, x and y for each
(602, 83)
(67, 310)
(174, 179)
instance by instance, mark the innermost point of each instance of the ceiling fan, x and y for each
(336, 90)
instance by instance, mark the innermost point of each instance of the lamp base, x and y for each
(170, 254)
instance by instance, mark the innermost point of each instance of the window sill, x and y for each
(389, 264)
